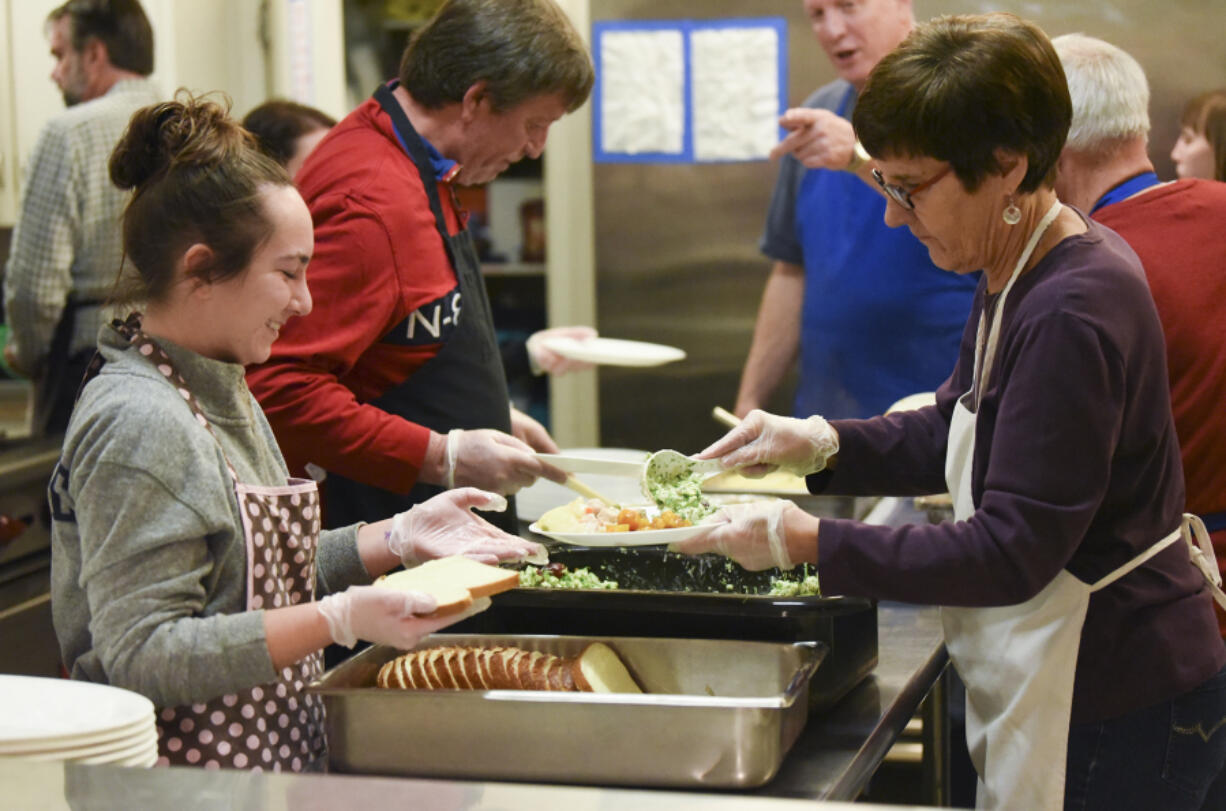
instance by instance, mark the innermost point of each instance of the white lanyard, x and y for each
(985, 354)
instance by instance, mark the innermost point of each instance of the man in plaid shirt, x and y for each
(66, 247)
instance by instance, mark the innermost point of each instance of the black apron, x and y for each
(56, 389)
(463, 386)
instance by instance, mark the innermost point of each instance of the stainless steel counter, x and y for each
(52, 786)
(839, 750)
(833, 760)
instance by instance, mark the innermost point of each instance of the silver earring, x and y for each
(1012, 215)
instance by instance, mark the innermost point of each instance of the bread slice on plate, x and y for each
(599, 670)
(454, 582)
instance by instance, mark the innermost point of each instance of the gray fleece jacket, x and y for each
(148, 561)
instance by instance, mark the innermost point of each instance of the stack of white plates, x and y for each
(58, 719)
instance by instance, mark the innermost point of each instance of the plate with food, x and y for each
(590, 522)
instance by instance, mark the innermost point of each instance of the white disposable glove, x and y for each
(751, 534)
(375, 614)
(492, 460)
(544, 360)
(763, 442)
(445, 525)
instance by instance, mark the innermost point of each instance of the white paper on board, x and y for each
(642, 92)
(735, 76)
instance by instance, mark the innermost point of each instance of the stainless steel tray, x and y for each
(667, 594)
(716, 714)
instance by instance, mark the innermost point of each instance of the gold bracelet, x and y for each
(859, 157)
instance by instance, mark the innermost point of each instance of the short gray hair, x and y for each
(1109, 91)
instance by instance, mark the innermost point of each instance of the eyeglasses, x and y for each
(902, 195)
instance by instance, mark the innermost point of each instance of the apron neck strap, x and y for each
(985, 351)
(131, 329)
(414, 146)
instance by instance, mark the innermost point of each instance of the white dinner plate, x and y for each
(136, 755)
(145, 760)
(601, 465)
(644, 537)
(534, 501)
(122, 733)
(37, 711)
(102, 753)
(614, 351)
(79, 747)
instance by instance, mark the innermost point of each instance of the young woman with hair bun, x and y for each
(186, 564)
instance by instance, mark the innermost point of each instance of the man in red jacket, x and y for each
(1176, 228)
(394, 385)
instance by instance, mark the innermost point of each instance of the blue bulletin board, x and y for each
(668, 78)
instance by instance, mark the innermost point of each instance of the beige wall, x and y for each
(201, 45)
(306, 54)
(570, 281)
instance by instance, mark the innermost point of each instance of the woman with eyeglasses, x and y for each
(1071, 609)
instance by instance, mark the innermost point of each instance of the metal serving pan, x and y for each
(667, 594)
(716, 714)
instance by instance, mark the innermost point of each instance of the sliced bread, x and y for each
(599, 670)
(454, 582)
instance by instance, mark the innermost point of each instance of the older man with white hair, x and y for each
(1176, 228)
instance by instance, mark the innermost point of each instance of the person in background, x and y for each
(871, 318)
(1200, 149)
(66, 245)
(1094, 672)
(1176, 229)
(186, 564)
(287, 131)
(394, 386)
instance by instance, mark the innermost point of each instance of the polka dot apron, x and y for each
(275, 726)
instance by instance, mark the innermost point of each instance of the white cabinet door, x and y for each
(28, 96)
(35, 98)
(8, 126)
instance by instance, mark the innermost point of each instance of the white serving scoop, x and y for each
(666, 466)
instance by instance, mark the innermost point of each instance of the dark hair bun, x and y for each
(184, 132)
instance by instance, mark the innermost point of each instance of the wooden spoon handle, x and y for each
(587, 492)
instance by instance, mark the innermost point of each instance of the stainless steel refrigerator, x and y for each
(677, 258)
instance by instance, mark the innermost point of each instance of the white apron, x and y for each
(1018, 661)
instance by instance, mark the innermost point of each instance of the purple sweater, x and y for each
(1076, 467)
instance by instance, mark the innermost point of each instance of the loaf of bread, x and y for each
(598, 669)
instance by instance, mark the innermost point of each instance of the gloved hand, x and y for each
(544, 360)
(384, 616)
(492, 460)
(445, 525)
(529, 431)
(754, 535)
(763, 442)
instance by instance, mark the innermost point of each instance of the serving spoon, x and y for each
(667, 466)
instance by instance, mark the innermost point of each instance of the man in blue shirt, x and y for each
(871, 318)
